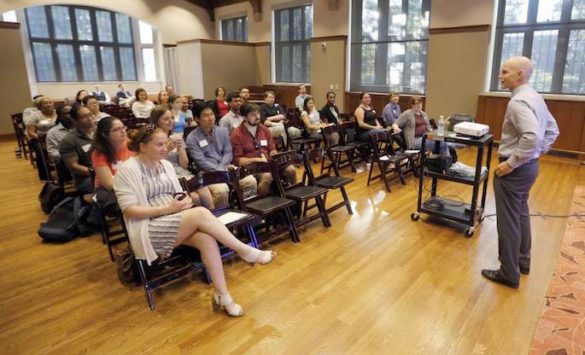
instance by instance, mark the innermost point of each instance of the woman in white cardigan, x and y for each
(159, 216)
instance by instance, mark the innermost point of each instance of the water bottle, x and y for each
(441, 127)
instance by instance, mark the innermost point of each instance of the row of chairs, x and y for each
(272, 214)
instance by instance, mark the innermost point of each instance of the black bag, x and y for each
(61, 225)
(88, 218)
(50, 196)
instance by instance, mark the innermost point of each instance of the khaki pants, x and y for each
(220, 192)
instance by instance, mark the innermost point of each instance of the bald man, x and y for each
(529, 130)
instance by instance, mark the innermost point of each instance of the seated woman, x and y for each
(219, 105)
(159, 216)
(110, 150)
(415, 123)
(180, 118)
(312, 121)
(81, 94)
(163, 99)
(366, 118)
(142, 106)
(392, 112)
(176, 154)
(37, 125)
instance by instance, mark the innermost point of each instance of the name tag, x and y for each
(203, 143)
(263, 143)
(86, 147)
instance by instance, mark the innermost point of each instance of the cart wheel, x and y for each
(415, 216)
(469, 232)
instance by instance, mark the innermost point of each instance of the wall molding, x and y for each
(329, 38)
(217, 41)
(460, 29)
(9, 25)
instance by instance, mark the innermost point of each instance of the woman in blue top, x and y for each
(392, 112)
(179, 116)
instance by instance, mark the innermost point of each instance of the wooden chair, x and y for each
(328, 181)
(19, 132)
(348, 136)
(386, 159)
(183, 261)
(247, 220)
(336, 152)
(266, 206)
(112, 226)
(304, 141)
(300, 192)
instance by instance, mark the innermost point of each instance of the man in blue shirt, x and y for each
(210, 148)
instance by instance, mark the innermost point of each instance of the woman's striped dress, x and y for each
(162, 230)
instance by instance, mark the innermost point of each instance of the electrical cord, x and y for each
(545, 215)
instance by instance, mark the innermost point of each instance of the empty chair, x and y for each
(328, 181)
(300, 192)
(266, 206)
(386, 159)
(335, 152)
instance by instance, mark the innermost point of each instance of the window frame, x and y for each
(135, 44)
(564, 26)
(382, 44)
(234, 20)
(305, 42)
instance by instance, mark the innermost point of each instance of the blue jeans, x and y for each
(430, 146)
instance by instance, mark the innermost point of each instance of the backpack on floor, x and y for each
(50, 196)
(61, 225)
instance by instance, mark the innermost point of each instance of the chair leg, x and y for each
(252, 235)
(292, 229)
(147, 289)
(350, 155)
(346, 200)
(323, 212)
(370, 172)
(398, 169)
(383, 175)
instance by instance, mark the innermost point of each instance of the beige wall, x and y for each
(328, 68)
(456, 72)
(263, 65)
(230, 66)
(330, 18)
(457, 13)
(14, 84)
(457, 61)
(175, 19)
(190, 69)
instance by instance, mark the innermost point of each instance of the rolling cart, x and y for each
(470, 214)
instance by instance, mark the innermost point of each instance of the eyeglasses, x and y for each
(119, 129)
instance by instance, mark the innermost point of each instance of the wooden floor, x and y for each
(375, 282)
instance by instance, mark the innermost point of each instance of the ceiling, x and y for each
(210, 5)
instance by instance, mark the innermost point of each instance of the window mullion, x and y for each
(381, 61)
(53, 43)
(95, 43)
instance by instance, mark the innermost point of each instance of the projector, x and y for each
(471, 129)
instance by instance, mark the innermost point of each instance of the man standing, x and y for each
(233, 118)
(529, 130)
(210, 148)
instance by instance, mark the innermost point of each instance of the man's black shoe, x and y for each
(525, 270)
(494, 275)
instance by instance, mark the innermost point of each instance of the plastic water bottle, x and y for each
(441, 127)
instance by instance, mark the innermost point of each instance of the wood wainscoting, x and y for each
(352, 101)
(570, 116)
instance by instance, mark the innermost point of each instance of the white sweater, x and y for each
(130, 192)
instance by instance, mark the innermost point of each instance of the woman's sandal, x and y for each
(226, 303)
(257, 256)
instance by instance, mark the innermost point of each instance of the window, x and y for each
(9, 16)
(235, 29)
(389, 41)
(293, 29)
(80, 43)
(552, 34)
